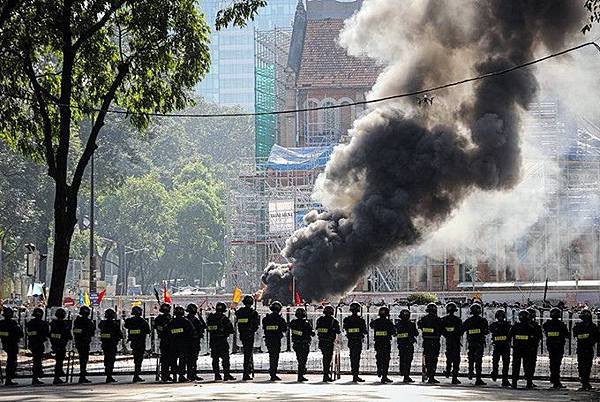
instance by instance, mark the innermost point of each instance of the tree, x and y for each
(238, 13)
(593, 6)
(64, 62)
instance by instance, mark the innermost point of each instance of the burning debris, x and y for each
(403, 173)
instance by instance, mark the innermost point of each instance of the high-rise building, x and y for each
(230, 81)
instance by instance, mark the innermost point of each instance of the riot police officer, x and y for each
(274, 326)
(219, 329)
(431, 329)
(302, 333)
(535, 343)
(83, 332)
(137, 332)
(328, 328)
(37, 335)
(452, 331)
(180, 331)
(60, 335)
(356, 329)
(406, 334)
(110, 336)
(476, 328)
(199, 326)
(160, 325)
(556, 336)
(248, 322)
(10, 334)
(522, 335)
(383, 331)
(587, 335)
(500, 330)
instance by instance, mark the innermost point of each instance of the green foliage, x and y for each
(422, 298)
(238, 13)
(593, 6)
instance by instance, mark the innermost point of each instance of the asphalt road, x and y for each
(287, 390)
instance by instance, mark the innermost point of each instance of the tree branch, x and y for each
(90, 146)
(47, 124)
(98, 25)
(7, 10)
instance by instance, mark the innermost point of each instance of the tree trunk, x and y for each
(65, 208)
(105, 253)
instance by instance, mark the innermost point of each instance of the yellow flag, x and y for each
(86, 299)
(237, 295)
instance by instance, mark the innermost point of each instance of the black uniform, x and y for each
(535, 346)
(452, 330)
(501, 343)
(522, 335)
(37, 335)
(556, 336)
(274, 326)
(383, 331)
(476, 328)
(60, 335)
(406, 334)
(431, 329)
(110, 336)
(180, 331)
(10, 334)
(356, 329)
(137, 331)
(302, 332)
(587, 336)
(199, 327)
(84, 330)
(328, 328)
(166, 359)
(248, 322)
(219, 329)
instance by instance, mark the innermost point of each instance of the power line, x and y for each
(357, 103)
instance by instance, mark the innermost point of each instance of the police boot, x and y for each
(228, 377)
(529, 385)
(110, 379)
(137, 379)
(505, 383)
(479, 381)
(57, 381)
(407, 379)
(83, 380)
(432, 380)
(447, 371)
(9, 383)
(36, 381)
(494, 375)
(246, 377)
(357, 379)
(275, 378)
(558, 385)
(455, 380)
(182, 379)
(470, 375)
(301, 378)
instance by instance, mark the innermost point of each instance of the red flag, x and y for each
(166, 296)
(297, 299)
(101, 296)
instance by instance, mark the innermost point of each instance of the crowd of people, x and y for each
(180, 335)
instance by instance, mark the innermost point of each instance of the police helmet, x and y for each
(555, 313)
(136, 311)
(178, 311)
(475, 309)
(248, 300)
(384, 311)
(585, 314)
(8, 313)
(165, 308)
(220, 307)
(328, 310)
(275, 306)
(532, 312)
(60, 313)
(404, 314)
(500, 315)
(37, 312)
(523, 315)
(192, 308)
(451, 308)
(110, 314)
(431, 308)
(84, 311)
(354, 307)
(300, 312)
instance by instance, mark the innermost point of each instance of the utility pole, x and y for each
(92, 257)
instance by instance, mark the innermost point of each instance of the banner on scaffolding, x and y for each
(281, 216)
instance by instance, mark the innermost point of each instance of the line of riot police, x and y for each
(180, 337)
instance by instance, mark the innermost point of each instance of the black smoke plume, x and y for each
(403, 174)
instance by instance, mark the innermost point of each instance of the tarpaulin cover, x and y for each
(298, 158)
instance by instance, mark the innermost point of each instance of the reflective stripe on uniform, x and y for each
(353, 330)
(55, 336)
(583, 336)
(322, 330)
(428, 330)
(500, 338)
(553, 333)
(403, 335)
(380, 333)
(474, 331)
(105, 336)
(135, 331)
(449, 329)
(2, 333)
(32, 333)
(77, 331)
(521, 337)
(296, 332)
(177, 331)
(272, 327)
(242, 320)
(212, 327)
